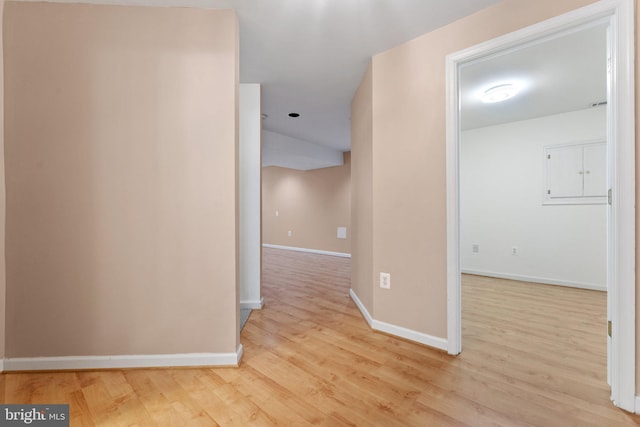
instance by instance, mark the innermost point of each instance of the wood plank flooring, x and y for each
(532, 355)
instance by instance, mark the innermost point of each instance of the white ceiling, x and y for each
(310, 55)
(563, 74)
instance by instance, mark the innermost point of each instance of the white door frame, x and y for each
(622, 174)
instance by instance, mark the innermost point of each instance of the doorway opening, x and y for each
(620, 276)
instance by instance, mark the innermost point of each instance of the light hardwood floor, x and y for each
(533, 355)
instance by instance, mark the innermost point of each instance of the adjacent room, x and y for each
(533, 204)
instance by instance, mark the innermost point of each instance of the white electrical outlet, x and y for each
(289, 233)
(475, 248)
(342, 232)
(514, 250)
(385, 280)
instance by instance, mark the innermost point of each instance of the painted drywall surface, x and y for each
(293, 153)
(250, 192)
(3, 287)
(361, 197)
(409, 181)
(501, 191)
(121, 135)
(637, 83)
(311, 204)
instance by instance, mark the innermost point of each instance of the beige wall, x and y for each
(3, 288)
(361, 197)
(408, 163)
(637, 83)
(120, 164)
(312, 204)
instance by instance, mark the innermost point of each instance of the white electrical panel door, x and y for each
(564, 172)
(595, 170)
(576, 173)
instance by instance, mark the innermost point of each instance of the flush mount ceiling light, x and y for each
(499, 93)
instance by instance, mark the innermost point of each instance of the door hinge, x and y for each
(609, 328)
(609, 196)
(548, 156)
(548, 191)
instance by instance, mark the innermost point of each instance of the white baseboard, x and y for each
(410, 334)
(312, 251)
(361, 307)
(398, 331)
(637, 411)
(238, 355)
(254, 305)
(121, 362)
(543, 280)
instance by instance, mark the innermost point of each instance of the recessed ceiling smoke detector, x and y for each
(499, 93)
(294, 115)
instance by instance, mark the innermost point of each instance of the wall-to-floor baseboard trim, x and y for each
(122, 361)
(410, 334)
(637, 411)
(361, 307)
(398, 331)
(534, 279)
(311, 251)
(238, 355)
(254, 305)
